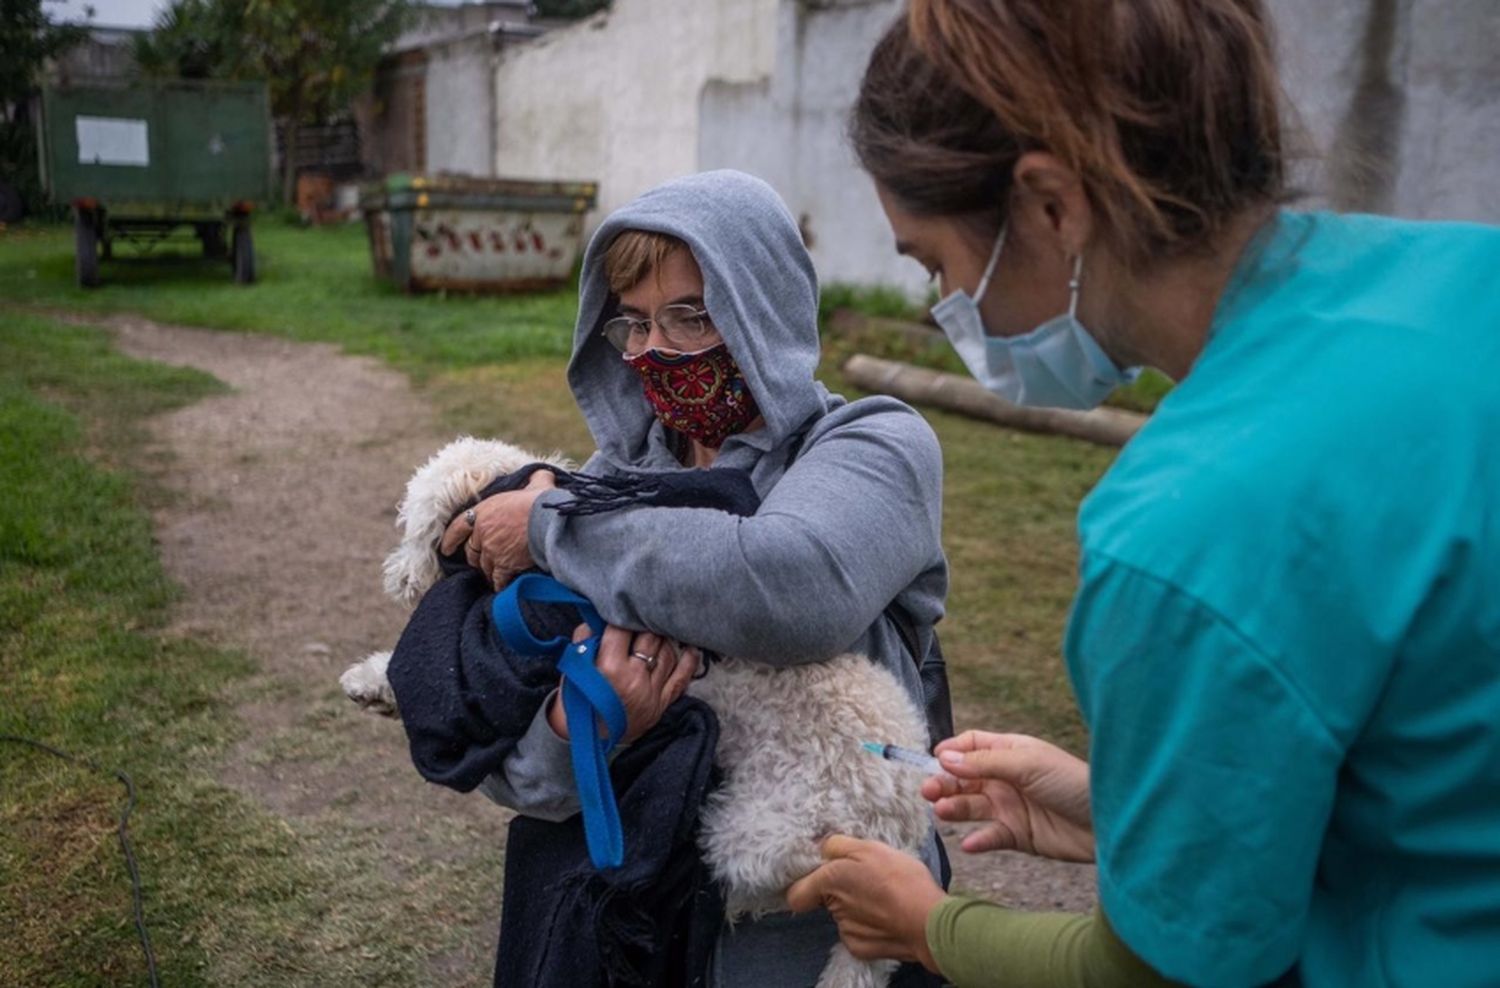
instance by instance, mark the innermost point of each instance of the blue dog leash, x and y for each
(585, 695)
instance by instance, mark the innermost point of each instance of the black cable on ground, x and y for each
(124, 831)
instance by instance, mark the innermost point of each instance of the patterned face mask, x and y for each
(700, 394)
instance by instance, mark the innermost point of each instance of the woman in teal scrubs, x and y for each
(1286, 637)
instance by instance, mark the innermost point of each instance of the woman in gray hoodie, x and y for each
(701, 355)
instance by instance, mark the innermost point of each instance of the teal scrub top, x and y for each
(1286, 640)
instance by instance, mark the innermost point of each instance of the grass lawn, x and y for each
(314, 284)
(86, 664)
(80, 657)
(234, 895)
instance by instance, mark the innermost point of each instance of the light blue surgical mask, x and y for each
(1056, 365)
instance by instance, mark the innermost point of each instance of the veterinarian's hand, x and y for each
(1033, 795)
(496, 543)
(645, 689)
(879, 897)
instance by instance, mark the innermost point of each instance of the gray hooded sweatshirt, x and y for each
(852, 524)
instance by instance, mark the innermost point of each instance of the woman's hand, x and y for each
(496, 543)
(648, 673)
(1034, 795)
(879, 897)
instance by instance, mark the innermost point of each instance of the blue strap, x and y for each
(586, 695)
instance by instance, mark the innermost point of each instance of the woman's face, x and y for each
(1029, 285)
(677, 280)
(706, 399)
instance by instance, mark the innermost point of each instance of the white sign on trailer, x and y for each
(112, 141)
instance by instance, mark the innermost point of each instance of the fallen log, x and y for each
(953, 393)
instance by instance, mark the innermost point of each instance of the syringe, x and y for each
(919, 760)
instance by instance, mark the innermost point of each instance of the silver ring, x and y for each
(469, 517)
(650, 660)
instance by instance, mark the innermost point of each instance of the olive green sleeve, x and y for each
(978, 944)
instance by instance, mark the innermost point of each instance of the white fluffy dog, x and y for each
(789, 741)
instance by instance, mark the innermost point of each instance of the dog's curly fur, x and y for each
(789, 741)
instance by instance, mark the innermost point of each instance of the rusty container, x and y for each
(475, 234)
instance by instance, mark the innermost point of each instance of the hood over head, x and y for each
(759, 288)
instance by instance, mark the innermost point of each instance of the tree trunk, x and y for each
(950, 392)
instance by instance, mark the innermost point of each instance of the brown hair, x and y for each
(1168, 110)
(634, 254)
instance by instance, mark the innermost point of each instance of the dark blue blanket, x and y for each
(466, 700)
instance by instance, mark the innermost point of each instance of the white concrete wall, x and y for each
(614, 98)
(658, 88)
(1401, 100)
(460, 114)
(1401, 106)
(790, 130)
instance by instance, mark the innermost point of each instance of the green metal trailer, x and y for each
(139, 161)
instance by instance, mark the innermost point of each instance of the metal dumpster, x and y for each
(139, 161)
(475, 234)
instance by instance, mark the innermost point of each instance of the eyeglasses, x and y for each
(685, 327)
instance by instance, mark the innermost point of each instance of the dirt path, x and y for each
(283, 510)
(286, 489)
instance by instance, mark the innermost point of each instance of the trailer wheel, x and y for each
(85, 248)
(12, 206)
(212, 237)
(243, 255)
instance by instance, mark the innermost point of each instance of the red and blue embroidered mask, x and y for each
(700, 394)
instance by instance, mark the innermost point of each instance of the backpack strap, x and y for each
(932, 670)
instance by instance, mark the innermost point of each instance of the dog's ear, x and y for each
(440, 487)
(437, 489)
(410, 571)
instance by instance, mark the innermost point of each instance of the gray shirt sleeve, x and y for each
(853, 522)
(536, 778)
